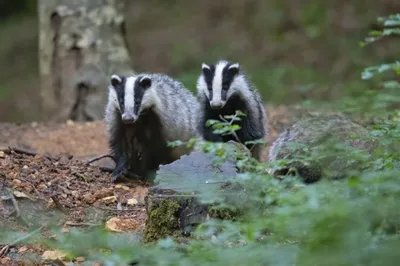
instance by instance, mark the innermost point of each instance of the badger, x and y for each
(143, 113)
(223, 89)
(313, 133)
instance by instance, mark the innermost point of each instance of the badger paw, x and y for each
(118, 173)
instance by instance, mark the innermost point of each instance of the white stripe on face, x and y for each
(217, 84)
(129, 95)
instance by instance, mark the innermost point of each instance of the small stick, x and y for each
(58, 205)
(16, 207)
(97, 158)
(5, 249)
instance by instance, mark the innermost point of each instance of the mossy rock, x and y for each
(178, 201)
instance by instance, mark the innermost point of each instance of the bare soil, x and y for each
(54, 180)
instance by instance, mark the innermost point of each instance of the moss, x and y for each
(162, 221)
(224, 213)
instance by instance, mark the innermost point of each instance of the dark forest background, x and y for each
(293, 50)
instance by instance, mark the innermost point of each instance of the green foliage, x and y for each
(381, 100)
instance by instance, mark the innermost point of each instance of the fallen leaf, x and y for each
(2, 155)
(5, 261)
(20, 194)
(70, 122)
(80, 259)
(116, 224)
(16, 182)
(53, 255)
(122, 187)
(110, 199)
(89, 198)
(132, 202)
(23, 249)
(113, 224)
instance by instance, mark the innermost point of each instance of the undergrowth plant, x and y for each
(355, 221)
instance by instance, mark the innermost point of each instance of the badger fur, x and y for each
(144, 112)
(222, 90)
(314, 132)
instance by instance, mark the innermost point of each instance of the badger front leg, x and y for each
(209, 135)
(119, 170)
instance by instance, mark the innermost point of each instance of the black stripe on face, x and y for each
(208, 77)
(120, 91)
(227, 78)
(140, 88)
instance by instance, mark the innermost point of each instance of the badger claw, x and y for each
(118, 172)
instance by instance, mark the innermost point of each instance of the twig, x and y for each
(81, 224)
(230, 123)
(28, 152)
(16, 207)
(114, 209)
(97, 158)
(58, 205)
(5, 249)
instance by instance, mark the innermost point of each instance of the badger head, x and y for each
(219, 82)
(131, 95)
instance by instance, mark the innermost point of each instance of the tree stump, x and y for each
(174, 207)
(81, 44)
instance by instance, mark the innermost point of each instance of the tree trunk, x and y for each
(81, 44)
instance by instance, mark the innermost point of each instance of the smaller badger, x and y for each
(222, 90)
(315, 133)
(144, 112)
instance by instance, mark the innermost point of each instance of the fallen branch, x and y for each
(5, 249)
(98, 158)
(26, 152)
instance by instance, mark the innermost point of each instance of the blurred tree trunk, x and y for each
(81, 44)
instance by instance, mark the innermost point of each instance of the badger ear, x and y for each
(234, 68)
(115, 80)
(205, 68)
(145, 82)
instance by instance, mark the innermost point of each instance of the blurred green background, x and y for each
(292, 50)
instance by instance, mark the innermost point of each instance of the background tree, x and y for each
(81, 43)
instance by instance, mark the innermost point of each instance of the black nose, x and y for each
(128, 118)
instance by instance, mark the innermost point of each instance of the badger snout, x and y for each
(128, 118)
(217, 104)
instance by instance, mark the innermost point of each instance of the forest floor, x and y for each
(43, 176)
